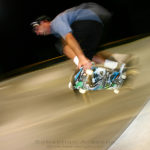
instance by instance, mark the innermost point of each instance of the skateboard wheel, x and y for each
(82, 91)
(89, 72)
(116, 91)
(70, 85)
(123, 76)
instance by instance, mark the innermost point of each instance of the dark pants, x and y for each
(88, 34)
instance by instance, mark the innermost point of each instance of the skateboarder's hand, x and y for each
(85, 63)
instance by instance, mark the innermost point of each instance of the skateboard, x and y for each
(98, 78)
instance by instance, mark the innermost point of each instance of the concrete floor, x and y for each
(137, 135)
(39, 112)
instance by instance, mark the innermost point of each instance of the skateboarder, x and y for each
(79, 29)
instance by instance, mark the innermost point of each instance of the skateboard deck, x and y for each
(98, 78)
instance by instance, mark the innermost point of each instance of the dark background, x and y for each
(20, 46)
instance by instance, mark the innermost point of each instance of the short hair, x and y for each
(39, 19)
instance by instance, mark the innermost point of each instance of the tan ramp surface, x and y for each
(39, 112)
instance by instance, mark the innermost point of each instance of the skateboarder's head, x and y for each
(41, 26)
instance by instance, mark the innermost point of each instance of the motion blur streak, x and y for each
(39, 112)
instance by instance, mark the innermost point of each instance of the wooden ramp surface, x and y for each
(39, 112)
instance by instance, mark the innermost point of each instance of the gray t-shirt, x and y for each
(61, 24)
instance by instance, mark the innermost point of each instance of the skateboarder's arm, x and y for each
(72, 49)
(74, 45)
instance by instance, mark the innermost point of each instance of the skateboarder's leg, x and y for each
(98, 59)
(88, 34)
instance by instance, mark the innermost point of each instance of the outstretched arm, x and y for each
(72, 49)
